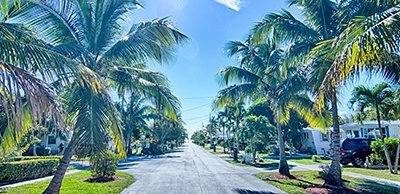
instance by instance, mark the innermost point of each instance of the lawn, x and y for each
(74, 184)
(307, 161)
(379, 173)
(268, 164)
(305, 181)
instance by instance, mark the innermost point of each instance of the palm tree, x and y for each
(262, 74)
(134, 116)
(379, 96)
(320, 23)
(223, 119)
(336, 33)
(24, 96)
(91, 33)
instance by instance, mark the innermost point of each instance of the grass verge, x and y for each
(310, 182)
(379, 173)
(75, 184)
(307, 161)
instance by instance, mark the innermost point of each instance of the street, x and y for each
(192, 170)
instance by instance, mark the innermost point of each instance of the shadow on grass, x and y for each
(79, 165)
(246, 191)
(374, 187)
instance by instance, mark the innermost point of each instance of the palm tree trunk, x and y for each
(283, 165)
(34, 150)
(223, 135)
(396, 165)
(378, 116)
(334, 177)
(55, 184)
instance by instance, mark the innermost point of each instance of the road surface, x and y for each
(193, 170)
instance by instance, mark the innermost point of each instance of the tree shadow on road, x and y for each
(126, 165)
(247, 191)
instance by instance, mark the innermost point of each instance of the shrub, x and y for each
(391, 144)
(323, 172)
(29, 169)
(316, 158)
(104, 165)
(24, 158)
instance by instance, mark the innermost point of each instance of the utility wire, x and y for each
(198, 97)
(195, 118)
(197, 107)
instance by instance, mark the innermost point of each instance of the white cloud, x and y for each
(233, 4)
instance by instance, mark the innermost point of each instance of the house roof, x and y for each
(370, 123)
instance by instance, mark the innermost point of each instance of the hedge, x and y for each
(27, 169)
(24, 158)
(379, 152)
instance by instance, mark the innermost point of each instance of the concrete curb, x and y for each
(34, 180)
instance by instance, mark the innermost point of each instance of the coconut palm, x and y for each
(134, 116)
(379, 96)
(93, 34)
(328, 27)
(24, 96)
(263, 74)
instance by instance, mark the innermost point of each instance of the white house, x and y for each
(315, 141)
(370, 129)
(53, 141)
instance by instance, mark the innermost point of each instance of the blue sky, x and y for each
(210, 24)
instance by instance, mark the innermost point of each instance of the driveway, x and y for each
(192, 170)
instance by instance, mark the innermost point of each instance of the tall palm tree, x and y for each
(134, 116)
(223, 120)
(24, 96)
(336, 33)
(263, 74)
(320, 23)
(379, 96)
(93, 34)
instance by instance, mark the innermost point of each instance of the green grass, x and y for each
(307, 161)
(379, 173)
(306, 179)
(74, 184)
(265, 164)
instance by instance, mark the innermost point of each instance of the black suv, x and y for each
(355, 150)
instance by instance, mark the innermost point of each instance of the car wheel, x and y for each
(358, 161)
(344, 162)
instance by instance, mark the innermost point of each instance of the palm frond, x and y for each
(55, 19)
(236, 93)
(155, 40)
(234, 74)
(95, 119)
(284, 27)
(319, 14)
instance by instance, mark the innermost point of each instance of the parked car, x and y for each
(355, 151)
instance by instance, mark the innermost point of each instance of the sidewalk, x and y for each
(351, 174)
(33, 180)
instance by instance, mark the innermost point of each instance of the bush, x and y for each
(40, 151)
(316, 158)
(28, 169)
(323, 172)
(24, 158)
(104, 165)
(391, 144)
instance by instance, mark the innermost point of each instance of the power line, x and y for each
(195, 118)
(197, 107)
(197, 97)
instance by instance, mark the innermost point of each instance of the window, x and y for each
(305, 135)
(356, 133)
(51, 139)
(324, 137)
(349, 134)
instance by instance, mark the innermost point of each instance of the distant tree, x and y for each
(380, 96)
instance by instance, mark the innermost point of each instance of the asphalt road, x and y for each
(192, 170)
